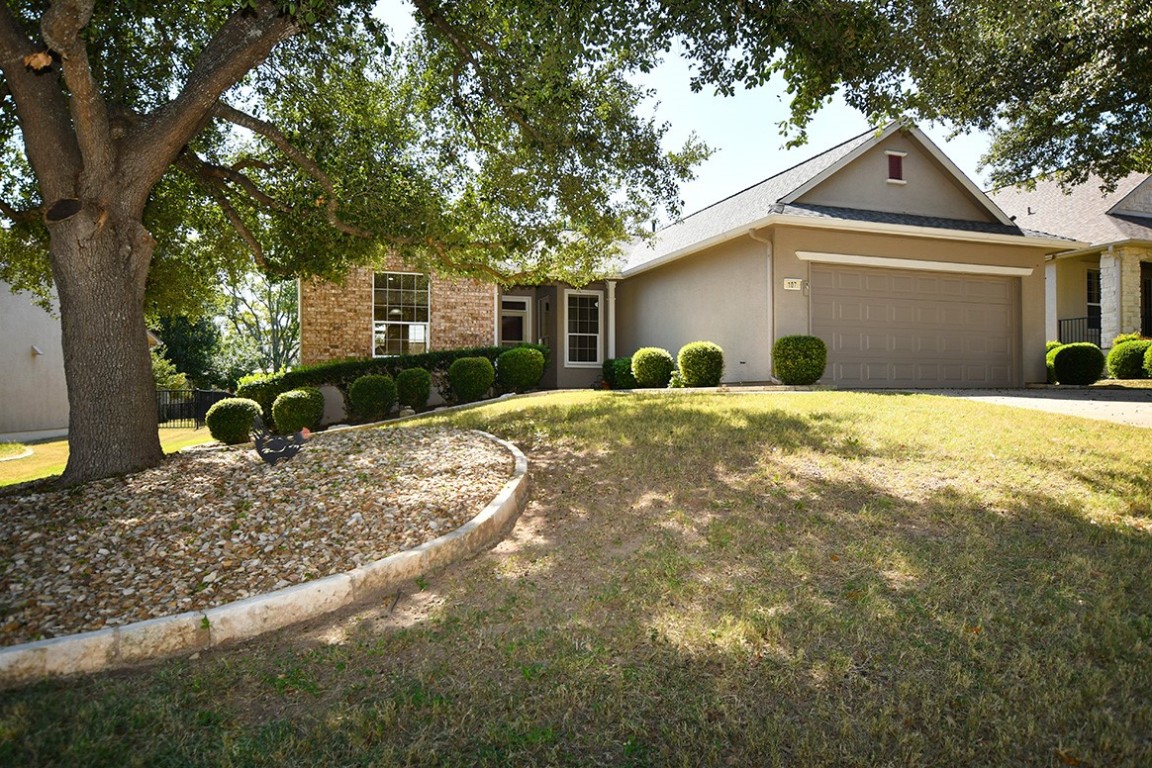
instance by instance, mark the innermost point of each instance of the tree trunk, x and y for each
(100, 261)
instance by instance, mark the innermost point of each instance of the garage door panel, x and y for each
(891, 328)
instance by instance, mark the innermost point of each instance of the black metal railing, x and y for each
(185, 407)
(1080, 329)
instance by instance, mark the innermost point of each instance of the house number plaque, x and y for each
(793, 284)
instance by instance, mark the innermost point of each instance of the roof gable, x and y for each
(929, 185)
(785, 196)
(1138, 202)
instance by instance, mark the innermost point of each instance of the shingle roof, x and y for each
(1081, 213)
(761, 200)
(744, 207)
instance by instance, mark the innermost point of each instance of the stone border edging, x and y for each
(194, 631)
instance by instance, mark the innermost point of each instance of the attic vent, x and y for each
(896, 167)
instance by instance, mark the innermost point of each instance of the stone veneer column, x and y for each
(1129, 291)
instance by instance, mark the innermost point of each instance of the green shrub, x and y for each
(297, 409)
(799, 360)
(230, 420)
(1051, 345)
(264, 388)
(652, 367)
(471, 378)
(701, 364)
(1079, 363)
(618, 373)
(677, 381)
(519, 369)
(372, 396)
(1148, 362)
(413, 385)
(1123, 337)
(1126, 359)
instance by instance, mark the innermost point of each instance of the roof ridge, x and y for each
(778, 174)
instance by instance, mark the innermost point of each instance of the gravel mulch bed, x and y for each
(211, 526)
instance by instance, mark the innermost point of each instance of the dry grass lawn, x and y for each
(49, 458)
(780, 579)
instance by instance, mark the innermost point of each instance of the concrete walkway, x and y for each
(1123, 406)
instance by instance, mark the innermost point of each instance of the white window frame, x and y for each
(599, 328)
(894, 153)
(526, 313)
(376, 323)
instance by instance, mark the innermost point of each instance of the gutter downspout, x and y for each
(770, 299)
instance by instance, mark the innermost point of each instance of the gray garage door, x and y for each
(904, 328)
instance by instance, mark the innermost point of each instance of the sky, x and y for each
(748, 146)
(742, 129)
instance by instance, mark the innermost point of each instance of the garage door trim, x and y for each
(888, 262)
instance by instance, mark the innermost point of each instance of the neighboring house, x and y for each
(32, 389)
(880, 246)
(1103, 289)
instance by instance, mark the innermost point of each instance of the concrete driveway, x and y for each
(1123, 406)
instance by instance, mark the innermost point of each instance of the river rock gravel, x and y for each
(214, 525)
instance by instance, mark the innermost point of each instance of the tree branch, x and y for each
(241, 44)
(42, 110)
(60, 27)
(303, 161)
(194, 167)
(209, 171)
(27, 215)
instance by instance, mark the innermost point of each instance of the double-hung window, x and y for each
(400, 314)
(583, 321)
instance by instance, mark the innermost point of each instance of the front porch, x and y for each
(1096, 296)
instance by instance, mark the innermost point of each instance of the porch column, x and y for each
(1051, 323)
(1119, 294)
(611, 318)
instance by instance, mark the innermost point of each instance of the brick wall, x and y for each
(336, 319)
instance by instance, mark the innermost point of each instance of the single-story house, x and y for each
(1103, 288)
(881, 246)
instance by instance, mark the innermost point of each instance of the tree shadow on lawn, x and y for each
(673, 598)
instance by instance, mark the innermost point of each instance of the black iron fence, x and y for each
(185, 407)
(1080, 329)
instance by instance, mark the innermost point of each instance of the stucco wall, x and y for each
(35, 393)
(336, 319)
(791, 307)
(720, 295)
(928, 189)
(1072, 285)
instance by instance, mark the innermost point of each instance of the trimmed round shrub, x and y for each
(1126, 359)
(471, 378)
(1079, 363)
(297, 409)
(1123, 337)
(652, 367)
(372, 396)
(701, 364)
(413, 385)
(230, 420)
(799, 360)
(519, 369)
(1148, 362)
(1051, 345)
